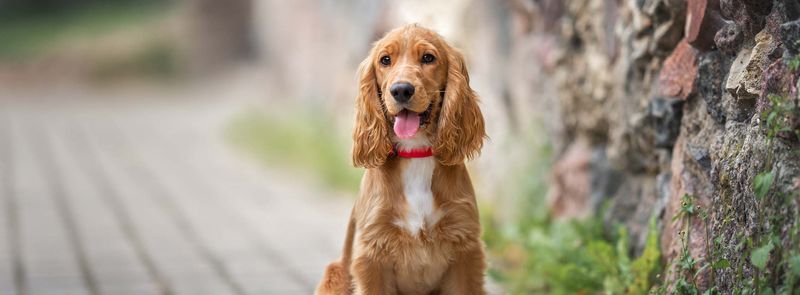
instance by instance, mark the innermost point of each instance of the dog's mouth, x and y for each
(407, 123)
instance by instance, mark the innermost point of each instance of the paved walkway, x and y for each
(147, 198)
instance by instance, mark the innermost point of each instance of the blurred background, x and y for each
(202, 146)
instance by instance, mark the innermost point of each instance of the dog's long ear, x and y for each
(461, 132)
(371, 143)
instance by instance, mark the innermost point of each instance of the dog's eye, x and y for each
(386, 60)
(428, 58)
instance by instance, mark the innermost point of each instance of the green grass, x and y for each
(157, 59)
(307, 142)
(534, 254)
(575, 257)
(26, 36)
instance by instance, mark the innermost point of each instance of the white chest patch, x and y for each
(420, 212)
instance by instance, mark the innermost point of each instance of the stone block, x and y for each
(677, 76)
(702, 23)
(790, 34)
(711, 73)
(665, 113)
(735, 83)
(570, 183)
(759, 61)
(729, 38)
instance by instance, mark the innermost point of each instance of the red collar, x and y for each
(414, 153)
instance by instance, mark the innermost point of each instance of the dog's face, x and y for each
(411, 73)
(415, 84)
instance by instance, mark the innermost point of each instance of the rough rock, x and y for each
(677, 75)
(711, 71)
(700, 156)
(570, 183)
(729, 39)
(749, 15)
(677, 110)
(702, 23)
(778, 16)
(745, 78)
(636, 211)
(776, 80)
(686, 180)
(742, 150)
(759, 61)
(791, 31)
(735, 83)
(666, 116)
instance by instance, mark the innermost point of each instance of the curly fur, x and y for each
(443, 254)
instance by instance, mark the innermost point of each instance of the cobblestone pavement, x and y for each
(123, 197)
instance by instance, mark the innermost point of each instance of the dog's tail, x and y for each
(336, 280)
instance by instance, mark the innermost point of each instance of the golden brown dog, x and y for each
(415, 227)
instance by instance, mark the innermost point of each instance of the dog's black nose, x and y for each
(402, 91)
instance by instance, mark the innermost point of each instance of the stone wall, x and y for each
(665, 98)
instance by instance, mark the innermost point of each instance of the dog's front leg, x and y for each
(372, 277)
(465, 275)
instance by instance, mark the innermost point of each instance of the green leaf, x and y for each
(771, 118)
(645, 268)
(701, 270)
(774, 98)
(794, 264)
(720, 264)
(760, 256)
(794, 64)
(761, 184)
(710, 291)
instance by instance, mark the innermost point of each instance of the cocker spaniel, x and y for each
(414, 228)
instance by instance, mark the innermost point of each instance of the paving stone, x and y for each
(6, 259)
(95, 218)
(47, 252)
(157, 202)
(161, 237)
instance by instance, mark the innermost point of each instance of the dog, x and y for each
(414, 228)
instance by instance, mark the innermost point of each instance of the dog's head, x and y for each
(413, 84)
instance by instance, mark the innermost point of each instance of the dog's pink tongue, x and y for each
(406, 124)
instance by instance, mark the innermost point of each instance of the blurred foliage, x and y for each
(305, 141)
(535, 254)
(156, 59)
(782, 115)
(577, 257)
(29, 28)
(38, 7)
